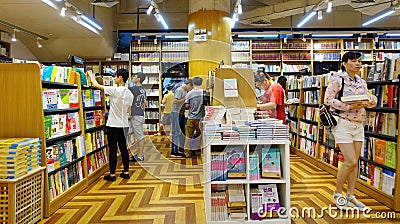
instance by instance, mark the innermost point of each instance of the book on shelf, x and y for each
(271, 162)
(270, 197)
(236, 162)
(380, 151)
(391, 153)
(236, 197)
(256, 198)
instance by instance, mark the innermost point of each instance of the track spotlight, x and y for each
(13, 38)
(150, 9)
(63, 10)
(38, 43)
(319, 14)
(329, 8)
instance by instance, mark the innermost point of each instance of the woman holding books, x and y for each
(349, 131)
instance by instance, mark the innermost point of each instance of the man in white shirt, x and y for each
(120, 102)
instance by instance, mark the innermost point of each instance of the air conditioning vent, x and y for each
(105, 3)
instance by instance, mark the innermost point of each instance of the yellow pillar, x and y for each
(212, 15)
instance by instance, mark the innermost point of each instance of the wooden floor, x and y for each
(165, 190)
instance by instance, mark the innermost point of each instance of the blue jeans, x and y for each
(178, 131)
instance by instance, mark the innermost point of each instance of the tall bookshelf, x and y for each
(320, 148)
(145, 56)
(22, 112)
(153, 58)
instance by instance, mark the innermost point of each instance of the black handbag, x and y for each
(325, 114)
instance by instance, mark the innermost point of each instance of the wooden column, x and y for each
(212, 15)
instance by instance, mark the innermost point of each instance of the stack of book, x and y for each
(247, 114)
(230, 135)
(236, 202)
(232, 114)
(246, 132)
(214, 113)
(18, 156)
(270, 128)
(212, 130)
(261, 114)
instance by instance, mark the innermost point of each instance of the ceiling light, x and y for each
(63, 10)
(306, 18)
(239, 9)
(91, 22)
(151, 7)
(379, 16)
(329, 8)
(157, 15)
(319, 14)
(176, 36)
(13, 38)
(235, 17)
(163, 22)
(257, 35)
(332, 35)
(38, 43)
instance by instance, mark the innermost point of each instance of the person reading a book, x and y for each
(120, 102)
(349, 131)
(273, 99)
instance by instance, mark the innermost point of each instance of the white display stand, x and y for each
(283, 183)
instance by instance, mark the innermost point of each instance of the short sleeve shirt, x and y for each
(120, 100)
(139, 98)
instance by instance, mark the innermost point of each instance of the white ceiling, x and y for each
(65, 36)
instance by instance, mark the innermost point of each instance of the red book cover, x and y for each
(390, 96)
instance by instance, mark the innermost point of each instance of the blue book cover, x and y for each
(236, 164)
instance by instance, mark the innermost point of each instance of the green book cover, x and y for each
(61, 153)
(391, 154)
(64, 95)
(47, 126)
(271, 162)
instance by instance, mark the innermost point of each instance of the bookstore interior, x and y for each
(251, 166)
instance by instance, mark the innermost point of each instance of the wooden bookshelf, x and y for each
(381, 196)
(21, 111)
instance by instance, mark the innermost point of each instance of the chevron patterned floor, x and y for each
(169, 191)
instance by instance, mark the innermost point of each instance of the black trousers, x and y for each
(116, 137)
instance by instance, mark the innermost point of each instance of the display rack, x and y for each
(251, 147)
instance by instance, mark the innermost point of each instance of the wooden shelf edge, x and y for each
(66, 196)
(307, 157)
(97, 173)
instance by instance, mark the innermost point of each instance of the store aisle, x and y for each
(170, 191)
